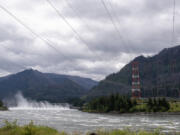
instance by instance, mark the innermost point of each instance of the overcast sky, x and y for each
(89, 38)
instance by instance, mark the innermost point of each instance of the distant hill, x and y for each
(86, 83)
(159, 76)
(44, 86)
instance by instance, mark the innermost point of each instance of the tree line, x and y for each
(111, 103)
(125, 104)
(1, 104)
(156, 105)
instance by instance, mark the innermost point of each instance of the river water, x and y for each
(63, 118)
(71, 120)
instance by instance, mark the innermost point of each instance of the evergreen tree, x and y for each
(150, 103)
(1, 103)
(155, 102)
(112, 102)
(134, 102)
(165, 103)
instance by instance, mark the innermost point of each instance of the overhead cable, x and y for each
(28, 28)
(173, 25)
(66, 21)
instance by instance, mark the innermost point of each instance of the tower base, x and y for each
(136, 94)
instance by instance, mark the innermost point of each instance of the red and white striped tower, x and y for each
(136, 91)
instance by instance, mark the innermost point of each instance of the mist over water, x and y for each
(24, 104)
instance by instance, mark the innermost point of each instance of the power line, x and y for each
(66, 21)
(109, 14)
(27, 27)
(76, 13)
(117, 20)
(112, 20)
(173, 29)
(112, 8)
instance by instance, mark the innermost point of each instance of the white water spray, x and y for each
(25, 104)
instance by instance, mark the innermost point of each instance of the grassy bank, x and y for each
(31, 129)
(174, 107)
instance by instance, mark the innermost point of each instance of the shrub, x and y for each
(10, 125)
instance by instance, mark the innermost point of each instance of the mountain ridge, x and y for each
(159, 73)
(42, 86)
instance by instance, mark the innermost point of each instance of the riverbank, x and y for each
(31, 129)
(174, 111)
(133, 113)
(140, 110)
(117, 104)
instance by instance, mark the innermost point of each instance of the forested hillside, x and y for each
(159, 76)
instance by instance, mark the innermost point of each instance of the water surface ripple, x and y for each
(70, 120)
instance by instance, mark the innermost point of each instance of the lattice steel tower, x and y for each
(136, 91)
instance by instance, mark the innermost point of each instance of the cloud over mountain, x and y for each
(96, 47)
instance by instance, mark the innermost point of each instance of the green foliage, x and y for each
(31, 129)
(9, 125)
(1, 103)
(111, 103)
(174, 107)
(2, 107)
(78, 102)
(124, 104)
(158, 105)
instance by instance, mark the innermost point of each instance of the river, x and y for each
(62, 118)
(71, 120)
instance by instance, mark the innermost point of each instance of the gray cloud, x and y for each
(145, 28)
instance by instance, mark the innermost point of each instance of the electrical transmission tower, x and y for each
(136, 91)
